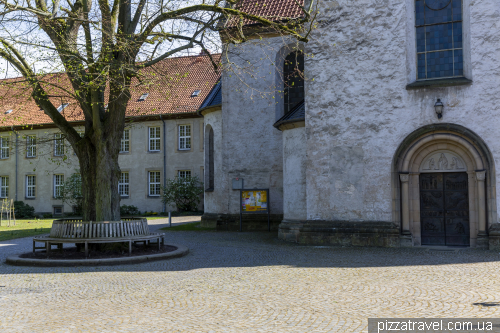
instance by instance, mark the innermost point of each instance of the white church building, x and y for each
(391, 139)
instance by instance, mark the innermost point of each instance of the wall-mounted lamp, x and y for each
(439, 108)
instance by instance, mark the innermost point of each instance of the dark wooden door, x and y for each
(444, 209)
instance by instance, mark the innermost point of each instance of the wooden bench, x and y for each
(132, 230)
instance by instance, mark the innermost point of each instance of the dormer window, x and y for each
(195, 93)
(8, 111)
(143, 97)
(62, 107)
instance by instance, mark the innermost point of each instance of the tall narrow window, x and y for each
(30, 186)
(154, 139)
(58, 184)
(154, 183)
(293, 76)
(184, 137)
(211, 177)
(123, 185)
(58, 144)
(4, 187)
(125, 142)
(439, 38)
(31, 146)
(4, 148)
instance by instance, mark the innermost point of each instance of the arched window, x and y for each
(209, 160)
(293, 75)
(439, 38)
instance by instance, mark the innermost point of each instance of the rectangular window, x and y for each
(123, 187)
(184, 137)
(154, 139)
(58, 210)
(154, 183)
(4, 187)
(438, 26)
(31, 146)
(58, 184)
(4, 148)
(30, 186)
(125, 142)
(58, 144)
(183, 174)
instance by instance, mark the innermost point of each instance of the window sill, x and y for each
(184, 149)
(29, 198)
(153, 197)
(30, 157)
(154, 151)
(454, 81)
(124, 196)
(209, 189)
(124, 153)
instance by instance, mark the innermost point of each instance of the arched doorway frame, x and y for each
(479, 167)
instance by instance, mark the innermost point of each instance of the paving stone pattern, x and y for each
(248, 282)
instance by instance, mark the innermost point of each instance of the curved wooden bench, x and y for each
(129, 231)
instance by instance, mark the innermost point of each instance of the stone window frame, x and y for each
(125, 186)
(411, 49)
(57, 184)
(30, 187)
(31, 146)
(125, 141)
(482, 195)
(149, 183)
(4, 187)
(58, 145)
(185, 137)
(4, 149)
(154, 142)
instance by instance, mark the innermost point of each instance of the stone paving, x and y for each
(248, 282)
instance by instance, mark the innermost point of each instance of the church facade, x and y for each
(393, 142)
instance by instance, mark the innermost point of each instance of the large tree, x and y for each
(102, 45)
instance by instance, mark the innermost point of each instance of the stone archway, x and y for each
(435, 150)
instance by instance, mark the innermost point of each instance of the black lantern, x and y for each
(439, 108)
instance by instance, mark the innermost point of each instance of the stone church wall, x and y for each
(358, 110)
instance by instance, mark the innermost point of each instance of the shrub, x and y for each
(47, 216)
(23, 210)
(71, 192)
(129, 210)
(184, 192)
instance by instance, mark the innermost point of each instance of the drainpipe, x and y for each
(17, 143)
(164, 160)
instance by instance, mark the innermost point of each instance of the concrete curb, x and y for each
(17, 261)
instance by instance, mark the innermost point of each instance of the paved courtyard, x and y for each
(248, 282)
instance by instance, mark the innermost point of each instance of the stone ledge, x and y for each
(17, 261)
(341, 233)
(231, 222)
(458, 81)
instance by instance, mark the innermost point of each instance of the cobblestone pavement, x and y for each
(248, 282)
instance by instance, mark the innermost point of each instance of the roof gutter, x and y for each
(164, 160)
(17, 162)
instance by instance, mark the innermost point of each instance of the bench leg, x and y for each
(33, 246)
(47, 248)
(129, 248)
(86, 250)
(159, 245)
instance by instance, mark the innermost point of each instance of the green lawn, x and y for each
(188, 227)
(24, 228)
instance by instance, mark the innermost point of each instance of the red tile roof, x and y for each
(170, 84)
(274, 10)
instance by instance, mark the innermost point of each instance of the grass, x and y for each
(24, 228)
(188, 227)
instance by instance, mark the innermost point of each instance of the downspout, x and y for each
(164, 160)
(17, 143)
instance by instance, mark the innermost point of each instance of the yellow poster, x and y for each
(254, 201)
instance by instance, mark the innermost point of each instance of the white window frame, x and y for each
(154, 183)
(31, 146)
(58, 144)
(4, 148)
(154, 135)
(58, 207)
(4, 186)
(185, 137)
(124, 184)
(58, 184)
(30, 186)
(183, 174)
(125, 142)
